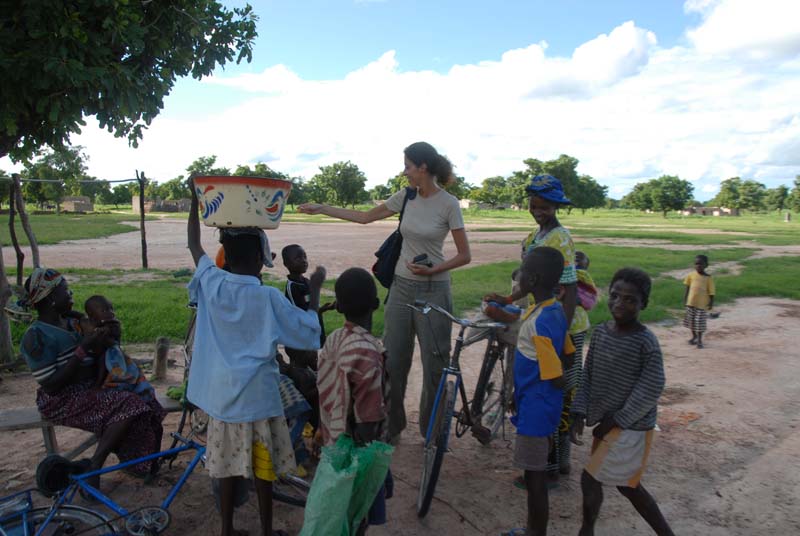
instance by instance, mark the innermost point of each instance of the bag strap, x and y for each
(405, 200)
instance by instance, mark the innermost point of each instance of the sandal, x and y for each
(514, 532)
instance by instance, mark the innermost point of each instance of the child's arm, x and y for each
(315, 283)
(711, 292)
(366, 386)
(193, 227)
(550, 365)
(366, 432)
(686, 296)
(580, 403)
(102, 372)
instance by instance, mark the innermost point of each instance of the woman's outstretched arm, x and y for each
(358, 216)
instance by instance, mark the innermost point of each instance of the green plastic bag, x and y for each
(373, 463)
(347, 480)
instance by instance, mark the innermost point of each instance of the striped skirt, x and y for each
(695, 319)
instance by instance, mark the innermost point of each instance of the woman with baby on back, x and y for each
(429, 214)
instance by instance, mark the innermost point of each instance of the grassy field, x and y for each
(52, 228)
(152, 304)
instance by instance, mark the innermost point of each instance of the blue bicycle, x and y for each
(62, 479)
(483, 415)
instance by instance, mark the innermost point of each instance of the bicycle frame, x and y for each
(80, 481)
(453, 368)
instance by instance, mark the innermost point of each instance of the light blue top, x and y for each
(234, 375)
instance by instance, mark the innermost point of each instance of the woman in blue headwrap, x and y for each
(545, 196)
(64, 363)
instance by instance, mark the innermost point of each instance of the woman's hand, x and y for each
(99, 340)
(311, 208)
(420, 269)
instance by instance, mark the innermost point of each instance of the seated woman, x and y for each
(63, 363)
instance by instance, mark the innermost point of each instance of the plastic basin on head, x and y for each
(232, 201)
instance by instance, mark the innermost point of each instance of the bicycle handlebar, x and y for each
(425, 307)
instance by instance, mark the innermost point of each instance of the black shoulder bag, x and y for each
(389, 252)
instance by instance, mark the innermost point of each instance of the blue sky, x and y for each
(703, 89)
(321, 40)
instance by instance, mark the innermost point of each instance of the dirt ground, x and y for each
(337, 246)
(724, 463)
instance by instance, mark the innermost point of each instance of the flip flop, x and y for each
(514, 532)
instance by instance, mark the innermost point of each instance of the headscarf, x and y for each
(548, 188)
(43, 282)
(266, 254)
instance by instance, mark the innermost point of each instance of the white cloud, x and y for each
(754, 29)
(627, 108)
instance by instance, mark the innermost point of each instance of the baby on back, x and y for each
(115, 370)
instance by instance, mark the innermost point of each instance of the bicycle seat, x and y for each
(52, 473)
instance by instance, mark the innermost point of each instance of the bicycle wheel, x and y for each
(435, 447)
(68, 520)
(489, 403)
(290, 489)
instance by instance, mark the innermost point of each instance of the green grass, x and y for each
(152, 308)
(52, 228)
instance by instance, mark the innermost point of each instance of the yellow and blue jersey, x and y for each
(542, 340)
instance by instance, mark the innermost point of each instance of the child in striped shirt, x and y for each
(351, 380)
(623, 377)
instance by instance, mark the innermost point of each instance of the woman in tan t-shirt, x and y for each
(430, 214)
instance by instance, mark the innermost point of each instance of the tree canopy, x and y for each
(61, 62)
(794, 198)
(493, 192)
(663, 194)
(341, 184)
(741, 194)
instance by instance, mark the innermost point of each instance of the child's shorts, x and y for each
(530, 452)
(260, 449)
(620, 458)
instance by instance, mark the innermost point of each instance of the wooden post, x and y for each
(12, 231)
(23, 217)
(141, 179)
(6, 348)
(160, 359)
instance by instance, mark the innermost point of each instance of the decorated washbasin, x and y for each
(233, 201)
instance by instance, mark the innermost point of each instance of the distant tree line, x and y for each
(344, 184)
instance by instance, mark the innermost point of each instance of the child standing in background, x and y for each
(302, 364)
(699, 299)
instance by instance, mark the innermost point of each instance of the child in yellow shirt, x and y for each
(699, 299)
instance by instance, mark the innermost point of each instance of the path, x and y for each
(725, 463)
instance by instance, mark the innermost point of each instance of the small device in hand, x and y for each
(422, 260)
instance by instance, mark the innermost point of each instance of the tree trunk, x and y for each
(23, 217)
(141, 180)
(6, 348)
(12, 231)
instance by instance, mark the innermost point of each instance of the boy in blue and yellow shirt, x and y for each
(538, 378)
